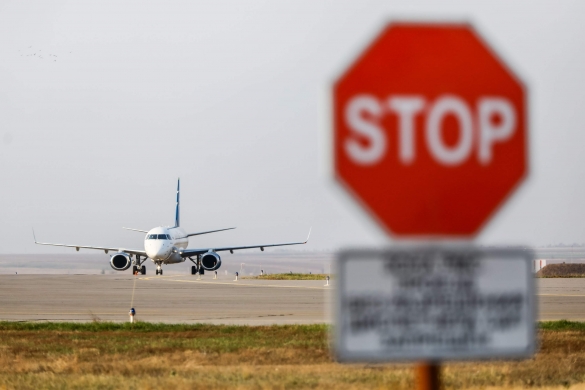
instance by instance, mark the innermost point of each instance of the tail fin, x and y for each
(177, 217)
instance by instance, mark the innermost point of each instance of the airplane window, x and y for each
(162, 236)
(152, 237)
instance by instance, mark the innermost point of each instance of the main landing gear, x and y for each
(139, 269)
(197, 269)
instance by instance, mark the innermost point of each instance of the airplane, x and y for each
(168, 245)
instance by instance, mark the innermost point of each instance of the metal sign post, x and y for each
(428, 376)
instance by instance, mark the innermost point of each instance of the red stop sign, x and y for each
(429, 130)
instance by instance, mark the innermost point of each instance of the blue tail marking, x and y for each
(177, 218)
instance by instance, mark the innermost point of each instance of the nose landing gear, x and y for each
(159, 270)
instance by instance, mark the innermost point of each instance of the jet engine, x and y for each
(210, 261)
(120, 261)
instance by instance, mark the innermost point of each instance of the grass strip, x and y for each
(562, 325)
(289, 276)
(139, 326)
(314, 329)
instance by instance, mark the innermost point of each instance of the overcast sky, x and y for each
(228, 95)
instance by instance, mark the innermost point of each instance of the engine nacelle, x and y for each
(120, 261)
(210, 261)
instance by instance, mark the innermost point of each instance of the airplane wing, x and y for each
(209, 231)
(106, 250)
(199, 251)
(136, 230)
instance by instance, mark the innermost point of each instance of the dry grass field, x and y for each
(156, 356)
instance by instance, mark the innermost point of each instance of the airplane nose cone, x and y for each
(151, 253)
(155, 251)
(158, 249)
(162, 253)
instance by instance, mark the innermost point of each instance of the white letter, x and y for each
(489, 132)
(377, 140)
(406, 107)
(449, 104)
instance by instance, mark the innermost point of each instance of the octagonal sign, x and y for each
(429, 130)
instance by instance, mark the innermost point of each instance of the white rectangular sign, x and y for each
(434, 304)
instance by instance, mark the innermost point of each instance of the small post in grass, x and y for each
(427, 376)
(132, 313)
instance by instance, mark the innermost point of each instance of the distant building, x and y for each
(539, 264)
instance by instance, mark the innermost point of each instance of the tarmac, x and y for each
(184, 299)
(169, 299)
(561, 298)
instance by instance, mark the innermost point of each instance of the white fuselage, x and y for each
(162, 245)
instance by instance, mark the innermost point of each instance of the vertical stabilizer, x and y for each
(177, 217)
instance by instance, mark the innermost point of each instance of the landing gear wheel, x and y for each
(157, 271)
(161, 271)
(134, 268)
(143, 270)
(193, 270)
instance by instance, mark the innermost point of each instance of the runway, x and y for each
(184, 299)
(561, 298)
(170, 299)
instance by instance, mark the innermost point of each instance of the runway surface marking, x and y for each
(69, 313)
(141, 311)
(236, 284)
(560, 295)
(557, 319)
(557, 313)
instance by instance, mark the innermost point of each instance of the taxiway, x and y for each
(184, 299)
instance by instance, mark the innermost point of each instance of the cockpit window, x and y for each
(158, 237)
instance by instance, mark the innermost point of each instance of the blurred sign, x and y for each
(429, 130)
(434, 303)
